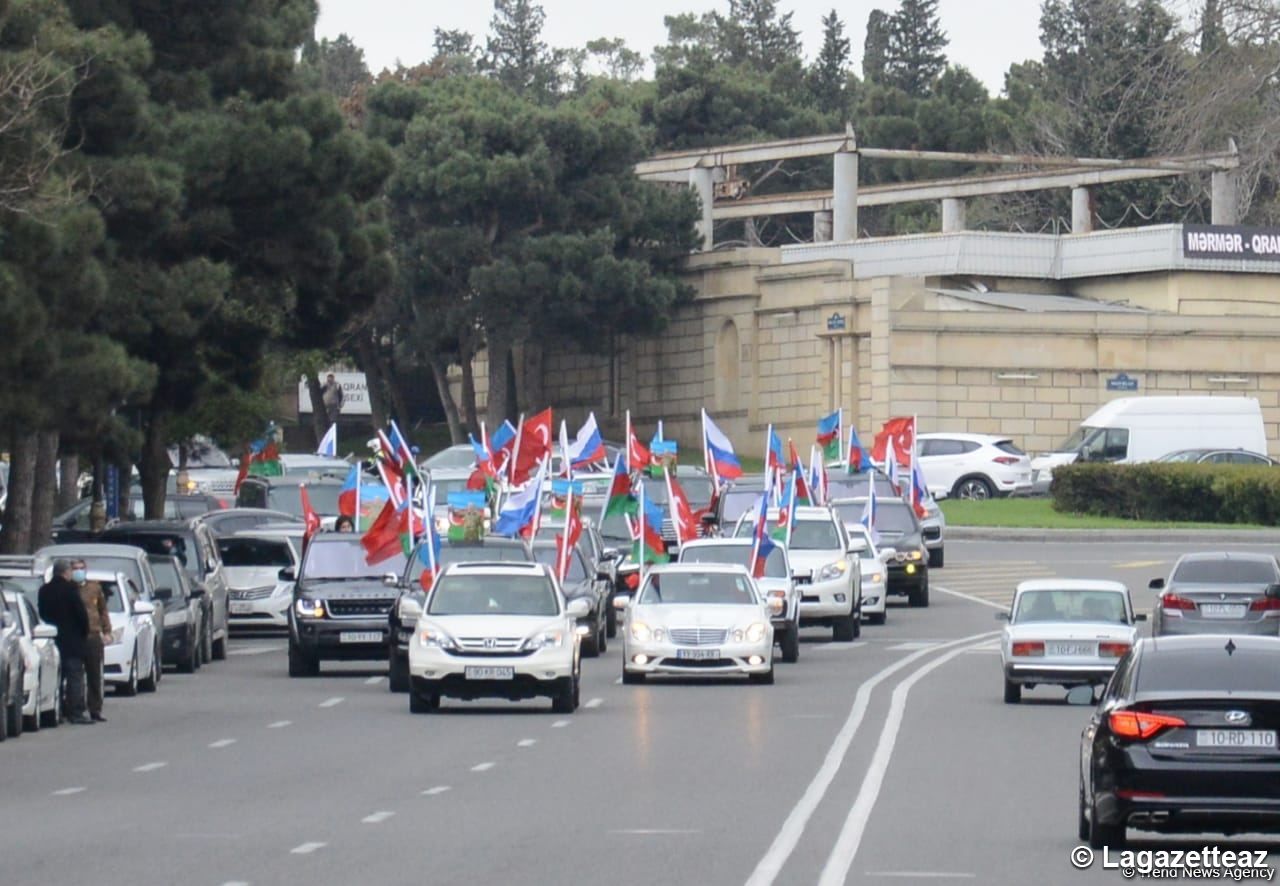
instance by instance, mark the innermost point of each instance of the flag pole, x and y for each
(359, 472)
(671, 505)
(706, 456)
(431, 548)
(626, 446)
(640, 539)
(515, 451)
(562, 555)
(840, 432)
(768, 447)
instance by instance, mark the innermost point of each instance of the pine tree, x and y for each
(755, 34)
(830, 71)
(334, 66)
(917, 44)
(515, 52)
(875, 48)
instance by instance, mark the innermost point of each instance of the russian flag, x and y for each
(762, 545)
(521, 509)
(349, 494)
(724, 461)
(919, 491)
(588, 447)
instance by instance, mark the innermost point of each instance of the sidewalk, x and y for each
(1141, 536)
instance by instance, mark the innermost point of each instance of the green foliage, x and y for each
(916, 52)
(336, 66)
(1170, 492)
(829, 74)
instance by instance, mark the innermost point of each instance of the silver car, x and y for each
(1219, 593)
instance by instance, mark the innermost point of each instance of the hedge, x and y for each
(1170, 492)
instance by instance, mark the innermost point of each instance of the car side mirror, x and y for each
(611, 554)
(142, 607)
(197, 591)
(1139, 616)
(1156, 584)
(288, 573)
(1002, 616)
(44, 632)
(163, 594)
(390, 579)
(577, 608)
(1273, 591)
(1080, 695)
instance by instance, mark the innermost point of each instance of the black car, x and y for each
(408, 606)
(582, 581)
(899, 529)
(341, 605)
(602, 559)
(183, 643)
(73, 524)
(1184, 741)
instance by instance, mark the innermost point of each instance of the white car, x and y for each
(131, 661)
(496, 630)
(822, 568)
(775, 585)
(1065, 632)
(42, 680)
(257, 563)
(977, 466)
(875, 574)
(698, 619)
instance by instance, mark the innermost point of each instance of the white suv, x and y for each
(496, 630)
(977, 466)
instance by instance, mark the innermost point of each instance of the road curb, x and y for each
(1141, 536)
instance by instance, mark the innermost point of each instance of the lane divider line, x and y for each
(67, 792)
(435, 791)
(332, 702)
(482, 767)
(222, 743)
(559, 724)
(150, 767)
(307, 848)
(526, 742)
(594, 703)
(279, 724)
(973, 599)
(376, 818)
(374, 681)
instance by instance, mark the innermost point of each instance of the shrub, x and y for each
(1170, 492)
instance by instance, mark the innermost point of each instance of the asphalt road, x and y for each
(890, 760)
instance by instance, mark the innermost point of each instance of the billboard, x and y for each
(1231, 241)
(355, 392)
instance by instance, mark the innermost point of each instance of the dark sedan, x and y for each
(1184, 741)
(582, 582)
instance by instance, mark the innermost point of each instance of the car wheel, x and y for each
(566, 700)
(398, 669)
(152, 681)
(791, 644)
(423, 703)
(918, 597)
(4, 722)
(936, 558)
(206, 644)
(192, 661)
(1082, 826)
(301, 664)
(220, 649)
(611, 620)
(765, 679)
(1012, 692)
(603, 641)
(975, 488)
(591, 646)
(844, 629)
(1102, 835)
(51, 719)
(632, 678)
(130, 687)
(876, 618)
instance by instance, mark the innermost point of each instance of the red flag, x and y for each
(903, 431)
(638, 457)
(682, 517)
(245, 461)
(567, 540)
(381, 541)
(534, 446)
(309, 515)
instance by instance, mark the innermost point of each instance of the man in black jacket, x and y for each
(61, 606)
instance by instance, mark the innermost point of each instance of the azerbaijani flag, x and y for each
(650, 544)
(349, 494)
(619, 499)
(403, 452)
(787, 508)
(562, 492)
(858, 459)
(724, 464)
(830, 437)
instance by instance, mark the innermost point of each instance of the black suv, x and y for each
(898, 528)
(341, 604)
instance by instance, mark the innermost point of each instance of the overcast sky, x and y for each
(986, 35)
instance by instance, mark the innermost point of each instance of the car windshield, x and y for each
(736, 555)
(736, 502)
(164, 544)
(343, 558)
(855, 486)
(453, 457)
(1071, 605)
(111, 590)
(255, 552)
(546, 555)
(814, 535)
(1185, 455)
(892, 516)
(470, 553)
(1226, 572)
(1077, 439)
(493, 595)
(697, 588)
(323, 496)
(234, 523)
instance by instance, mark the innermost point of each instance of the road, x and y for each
(890, 760)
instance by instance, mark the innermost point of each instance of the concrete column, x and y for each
(702, 180)
(1081, 211)
(822, 226)
(953, 211)
(1225, 198)
(844, 215)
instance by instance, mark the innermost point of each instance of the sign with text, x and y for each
(1231, 241)
(355, 393)
(1122, 382)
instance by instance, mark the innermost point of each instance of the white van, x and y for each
(1134, 429)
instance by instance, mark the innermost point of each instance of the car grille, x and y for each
(697, 664)
(698, 636)
(490, 644)
(252, 594)
(359, 608)
(220, 487)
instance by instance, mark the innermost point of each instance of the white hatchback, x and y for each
(977, 466)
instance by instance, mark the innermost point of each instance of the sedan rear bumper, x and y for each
(1059, 675)
(1175, 626)
(1215, 815)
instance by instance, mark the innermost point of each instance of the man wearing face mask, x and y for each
(60, 605)
(95, 603)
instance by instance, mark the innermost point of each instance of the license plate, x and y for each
(1221, 610)
(1235, 738)
(1071, 649)
(697, 654)
(240, 607)
(491, 673)
(360, 637)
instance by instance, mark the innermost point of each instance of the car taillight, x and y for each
(1141, 724)
(1173, 601)
(1032, 648)
(1113, 650)
(632, 580)
(1006, 460)
(1266, 604)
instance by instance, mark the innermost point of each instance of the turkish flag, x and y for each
(534, 446)
(903, 432)
(638, 457)
(682, 516)
(309, 515)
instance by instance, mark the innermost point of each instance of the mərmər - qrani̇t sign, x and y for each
(1231, 241)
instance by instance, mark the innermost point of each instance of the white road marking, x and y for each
(559, 724)
(594, 703)
(374, 681)
(836, 870)
(482, 767)
(331, 702)
(150, 767)
(788, 837)
(923, 875)
(307, 848)
(617, 682)
(377, 817)
(818, 647)
(974, 599)
(438, 789)
(256, 650)
(279, 724)
(1138, 564)
(653, 832)
(526, 742)
(237, 883)
(67, 792)
(222, 743)
(912, 647)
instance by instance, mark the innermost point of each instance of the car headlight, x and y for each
(915, 555)
(875, 578)
(308, 608)
(641, 632)
(832, 570)
(777, 602)
(433, 636)
(117, 636)
(755, 632)
(410, 607)
(545, 640)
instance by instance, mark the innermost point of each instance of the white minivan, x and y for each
(1137, 429)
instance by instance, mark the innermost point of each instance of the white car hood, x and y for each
(507, 626)
(1076, 630)
(808, 562)
(240, 577)
(773, 584)
(689, 615)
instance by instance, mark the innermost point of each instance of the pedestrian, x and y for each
(60, 605)
(344, 524)
(95, 604)
(332, 396)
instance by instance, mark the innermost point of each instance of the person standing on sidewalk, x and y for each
(60, 605)
(95, 604)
